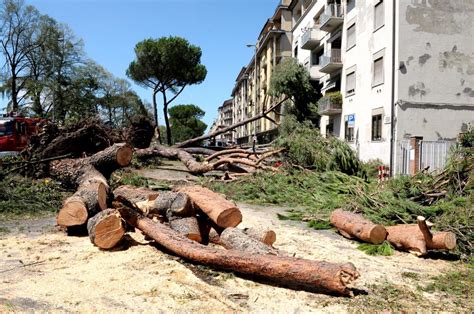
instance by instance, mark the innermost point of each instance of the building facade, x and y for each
(386, 72)
(389, 71)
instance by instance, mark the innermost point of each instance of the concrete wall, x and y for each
(368, 98)
(435, 68)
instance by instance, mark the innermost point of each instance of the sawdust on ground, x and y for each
(44, 270)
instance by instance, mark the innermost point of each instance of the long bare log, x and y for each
(227, 152)
(264, 114)
(315, 275)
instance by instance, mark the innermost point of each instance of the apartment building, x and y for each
(225, 117)
(389, 72)
(250, 93)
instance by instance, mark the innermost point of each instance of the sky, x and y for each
(222, 28)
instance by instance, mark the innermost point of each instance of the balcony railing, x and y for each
(332, 18)
(330, 104)
(311, 38)
(331, 61)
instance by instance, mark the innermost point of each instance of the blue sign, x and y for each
(351, 120)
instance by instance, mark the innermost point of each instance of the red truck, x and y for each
(15, 132)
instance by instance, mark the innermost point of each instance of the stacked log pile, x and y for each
(191, 221)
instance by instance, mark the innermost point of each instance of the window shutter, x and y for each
(350, 83)
(379, 15)
(351, 36)
(378, 72)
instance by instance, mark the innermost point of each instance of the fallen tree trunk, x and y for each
(106, 229)
(314, 275)
(168, 204)
(264, 114)
(85, 175)
(187, 226)
(418, 239)
(221, 211)
(352, 226)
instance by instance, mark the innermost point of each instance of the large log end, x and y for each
(443, 241)
(378, 234)
(230, 217)
(106, 229)
(72, 213)
(124, 155)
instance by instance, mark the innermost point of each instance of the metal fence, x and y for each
(433, 154)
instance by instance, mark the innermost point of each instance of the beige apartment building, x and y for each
(250, 93)
(225, 117)
(396, 78)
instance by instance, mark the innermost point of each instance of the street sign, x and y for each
(351, 120)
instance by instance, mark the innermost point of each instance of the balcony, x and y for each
(313, 70)
(330, 104)
(311, 38)
(332, 18)
(331, 61)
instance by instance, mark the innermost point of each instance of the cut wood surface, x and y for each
(352, 225)
(236, 239)
(315, 275)
(112, 158)
(135, 194)
(222, 212)
(106, 229)
(418, 239)
(264, 235)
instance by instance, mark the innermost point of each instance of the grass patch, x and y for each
(4, 230)
(410, 275)
(126, 177)
(314, 195)
(21, 196)
(458, 283)
(384, 249)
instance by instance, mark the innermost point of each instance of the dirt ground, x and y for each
(44, 270)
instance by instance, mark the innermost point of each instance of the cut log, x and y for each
(418, 239)
(168, 203)
(135, 194)
(264, 235)
(351, 226)
(187, 226)
(314, 275)
(236, 239)
(221, 211)
(214, 237)
(91, 186)
(89, 199)
(106, 229)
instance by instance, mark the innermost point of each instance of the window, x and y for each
(351, 36)
(377, 127)
(315, 55)
(349, 128)
(350, 5)
(350, 83)
(296, 51)
(379, 15)
(377, 77)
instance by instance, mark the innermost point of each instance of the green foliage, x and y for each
(123, 177)
(335, 98)
(306, 147)
(23, 196)
(291, 79)
(384, 249)
(186, 122)
(166, 64)
(314, 195)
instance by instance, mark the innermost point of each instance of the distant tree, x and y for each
(186, 122)
(166, 65)
(18, 38)
(291, 79)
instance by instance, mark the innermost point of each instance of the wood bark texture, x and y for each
(315, 275)
(236, 239)
(221, 211)
(187, 226)
(135, 194)
(264, 235)
(352, 226)
(106, 229)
